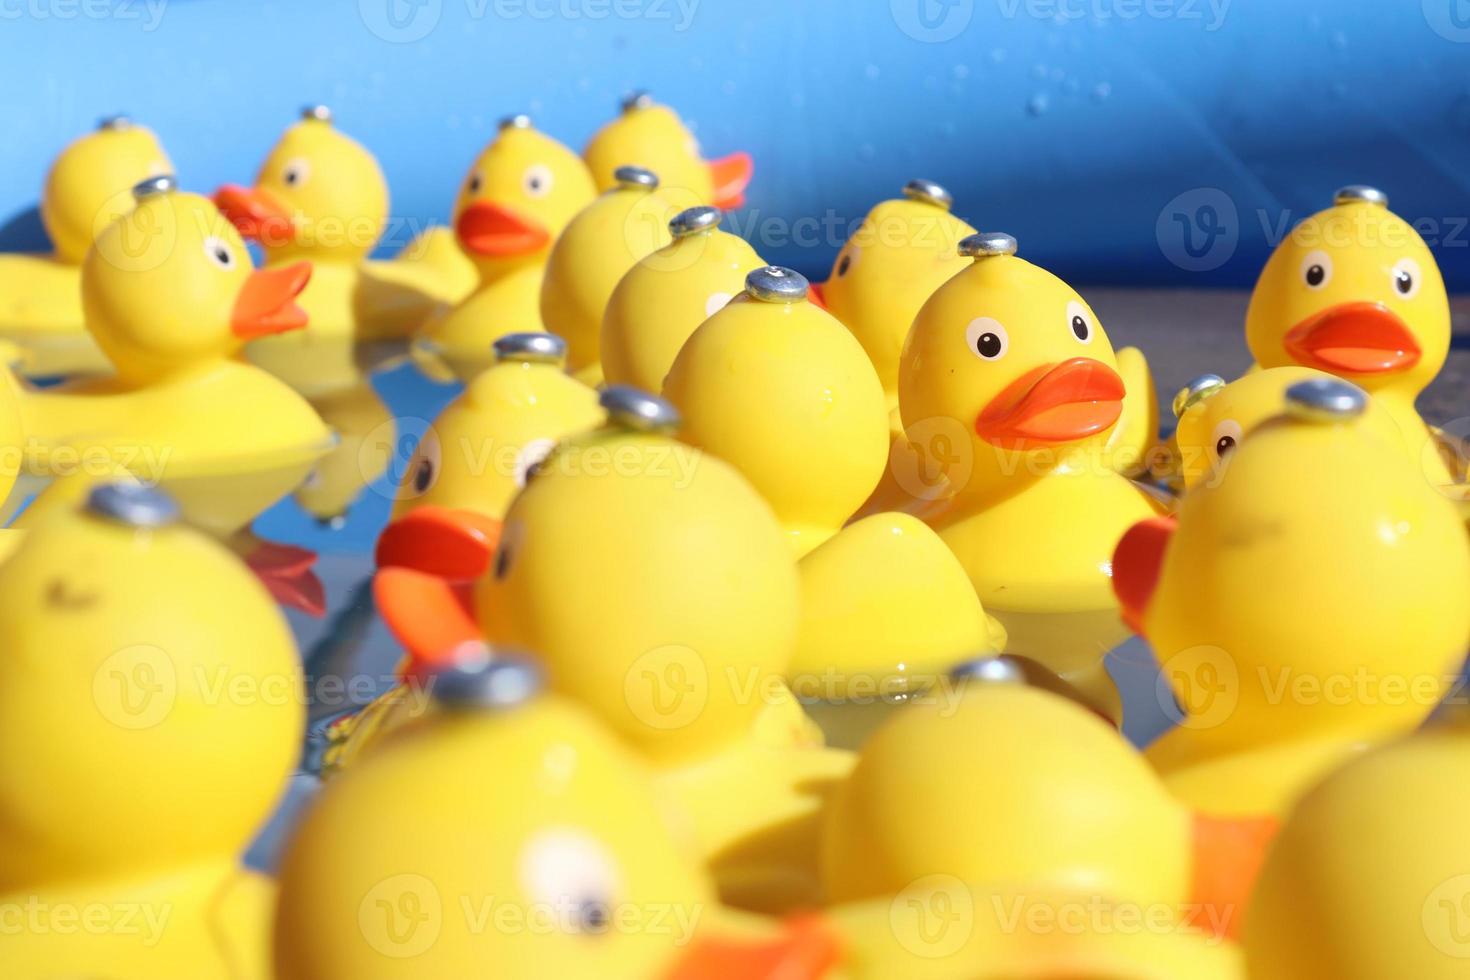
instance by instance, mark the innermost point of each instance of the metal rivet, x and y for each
(318, 112)
(1196, 391)
(482, 678)
(986, 244)
(928, 192)
(1360, 194)
(161, 184)
(114, 123)
(636, 100)
(632, 178)
(989, 670)
(518, 121)
(132, 504)
(530, 348)
(774, 284)
(695, 220)
(1325, 400)
(633, 408)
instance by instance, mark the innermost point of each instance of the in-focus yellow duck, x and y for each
(653, 136)
(1013, 365)
(667, 295)
(1316, 514)
(164, 742)
(601, 243)
(1354, 291)
(1371, 875)
(41, 295)
(519, 196)
(1064, 804)
(170, 296)
(480, 452)
(673, 623)
(321, 197)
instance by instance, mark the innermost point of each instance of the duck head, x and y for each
(170, 285)
(521, 192)
(90, 183)
(1355, 292)
(319, 195)
(1013, 363)
(650, 135)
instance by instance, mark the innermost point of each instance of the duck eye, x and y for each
(219, 253)
(537, 180)
(1226, 437)
(530, 458)
(592, 916)
(715, 303)
(295, 172)
(424, 468)
(568, 869)
(1406, 278)
(1224, 444)
(1316, 269)
(987, 338)
(1080, 321)
(474, 184)
(423, 476)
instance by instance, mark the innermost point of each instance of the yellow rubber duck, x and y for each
(1354, 291)
(652, 136)
(88, 186)
(1082, 812)
(519, 196)
(1371, 873)
(775, 386)
(365, 429)
(1318, 514)
(170, 297)
(121, 830)
(695, 683)
(600, 244)
(1012, 364)
(321, 197)
(480, 452)
(668, 294)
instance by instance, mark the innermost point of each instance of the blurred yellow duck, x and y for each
(40, 295)
(1316, 513)
(146, 746)
(170, 297)
(320, 196)
(519, 196)
(667, 295)
(1012, 366)
(1354, 291)
(652, 136)
(600, 244)
(1371, 875)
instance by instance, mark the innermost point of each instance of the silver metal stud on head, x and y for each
(635, 409)
(928, 192)
(695, 220)
(494, 680)
(114, 123)
(518, 121)
(985, 244)
(1325, 400)
(530, 348)
(133, 504)
(1196, 391)
(776, 284)
(636, 100)
(318, 112)
(989, 670)
(161, 184)
(1360, 193)
(630, 178)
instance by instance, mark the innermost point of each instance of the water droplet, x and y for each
(997, 55)
(961, 71)
(1339, 40)
(872, 71)
(1038, 71)
(1101, 91)
(867, 151)
(1037, 104)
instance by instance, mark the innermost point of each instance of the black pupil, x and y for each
(222, 255)
(1224, 446)
(291, 176)
(1315, 275)
(535, 183)
(502, 560)
(844, 264)
(1404, 281)
(592, 915)
(988, 345)
(474, 184)
(423, 476)
(1079, 327)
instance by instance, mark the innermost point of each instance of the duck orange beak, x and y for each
(805, 950)
(489, 229)
(432, 617)
(256, 213)
(731, 176)
(1053, 404)
(453, 544)
(1228, 855)
(816, 294)
(1137, 562)
(266, 303)
(1354, 338)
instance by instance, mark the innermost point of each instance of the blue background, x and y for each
(1100, 132)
